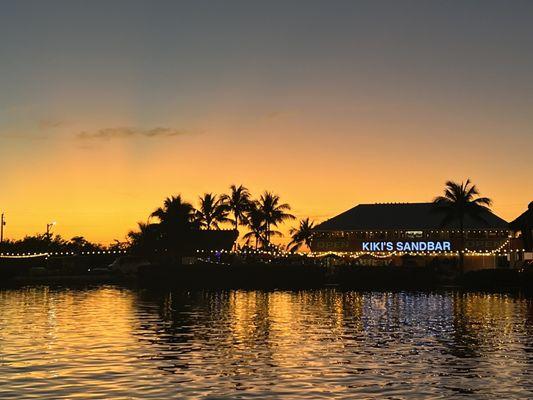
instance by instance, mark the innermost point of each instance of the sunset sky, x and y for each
(107, 107)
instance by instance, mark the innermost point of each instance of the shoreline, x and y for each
(291, 277)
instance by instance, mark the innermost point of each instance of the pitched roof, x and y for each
(524, 219)
(403, 216)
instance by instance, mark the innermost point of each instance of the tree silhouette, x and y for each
(256, 224)
(118, 245)
(238, 202)
(146, 239)
(274, 212)
(175, 212)
(43, 243)
(212, 211)
(302, 235)
(79, 244)
(459, 201)
(177, 220)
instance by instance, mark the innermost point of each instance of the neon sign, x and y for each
(407, 246)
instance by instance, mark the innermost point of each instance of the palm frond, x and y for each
(459, 201)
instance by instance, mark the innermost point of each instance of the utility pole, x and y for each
(2, 224)
(48, 228)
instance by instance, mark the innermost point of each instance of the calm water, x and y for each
(108, 342)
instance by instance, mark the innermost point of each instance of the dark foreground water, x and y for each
(108, 342)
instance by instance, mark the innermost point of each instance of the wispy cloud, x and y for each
(45, 124)
(128, 132)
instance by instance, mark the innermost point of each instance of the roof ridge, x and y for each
(401, 215)
(395, 203)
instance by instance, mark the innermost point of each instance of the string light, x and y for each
(60, 253)
(284, 254)
(23, 255)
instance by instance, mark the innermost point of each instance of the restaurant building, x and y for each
(413, 233)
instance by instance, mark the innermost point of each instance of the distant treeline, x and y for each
(171, 227)
(177, 219)
(48, 243)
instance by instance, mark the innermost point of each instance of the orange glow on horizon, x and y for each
(100, 189)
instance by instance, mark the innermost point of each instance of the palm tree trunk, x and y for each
(462, 246)
(237, 229)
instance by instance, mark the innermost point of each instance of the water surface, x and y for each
(110, 342)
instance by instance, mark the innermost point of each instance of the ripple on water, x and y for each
(109, 342)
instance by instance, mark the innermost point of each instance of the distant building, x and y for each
(522, 230)
(398, 231)
(216, 239)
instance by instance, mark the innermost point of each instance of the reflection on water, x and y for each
(109, 342)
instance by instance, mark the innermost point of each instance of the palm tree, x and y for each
(175, 212)
(301, 235)
(177, 220)
(137, 236)
(238, 202)
(256, 224)
(145, 239)
(461, 200)
(273, 213)
(212, 211)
